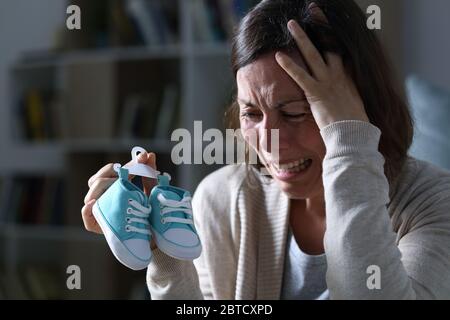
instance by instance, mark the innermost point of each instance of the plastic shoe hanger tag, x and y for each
(136, 168)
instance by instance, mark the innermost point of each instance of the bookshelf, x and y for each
(74, 109)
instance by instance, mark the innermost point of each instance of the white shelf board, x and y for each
(45, 60)
(94, 145)
(36, 158)
(45, 232)
(117, 145)
(33, 158)
(49, 60)
(130, 53)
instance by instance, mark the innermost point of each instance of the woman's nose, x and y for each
(272, 136)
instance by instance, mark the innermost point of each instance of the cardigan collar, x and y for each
(272, 235)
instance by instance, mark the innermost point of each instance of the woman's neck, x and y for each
(308, 224)
(313, 206)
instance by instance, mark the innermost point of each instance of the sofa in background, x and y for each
(430, 106)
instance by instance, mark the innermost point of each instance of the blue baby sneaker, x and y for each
(122, 213)
(171, 221)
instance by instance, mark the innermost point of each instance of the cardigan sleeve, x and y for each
(360, 243)
(172, 279)
(169, 278)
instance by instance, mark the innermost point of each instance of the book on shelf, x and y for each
(140, 11)
(4, 196)
(121, 23)
(143, 115)
(40, 115)
(161, 22)
(32, 282)
(130, 115)
(123, 30)
(168, 112)
(202, 30)
(33, 106)
(12, 286)
(95, 17)
(3, 290)
(90, 100)
(215, 20)
(156, 20)
(84, 108)
(102, 101)
(42, 282)
(36, 201)
(229, 20)
(150, 115)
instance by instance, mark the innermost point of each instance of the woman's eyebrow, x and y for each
(245, 102)
(277, 106)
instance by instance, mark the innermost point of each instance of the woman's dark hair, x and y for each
(264, 30)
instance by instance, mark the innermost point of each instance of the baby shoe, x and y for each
(171, 221)
(122, 213)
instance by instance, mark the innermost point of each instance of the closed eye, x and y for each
(294, 115)
(251, 115)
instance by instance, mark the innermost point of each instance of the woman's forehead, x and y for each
(265, 75)
(266, 67)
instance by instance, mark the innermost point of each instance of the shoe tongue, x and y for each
(172, 195)
(138, 195)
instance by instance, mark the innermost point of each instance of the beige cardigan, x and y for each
(243, 224)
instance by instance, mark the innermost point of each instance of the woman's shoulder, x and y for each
(221, 186)
(421, 174)
(215, 198)
(229, 177)
(421, 187)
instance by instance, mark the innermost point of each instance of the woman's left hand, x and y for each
(330, 91)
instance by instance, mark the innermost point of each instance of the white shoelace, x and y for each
(142, 213)
(176, 206)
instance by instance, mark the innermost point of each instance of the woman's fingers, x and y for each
(334, 61)
(297, 73)
(106, 176)
(102, 180)
(141, 158)
(105, 172)
(99, 186)
(310, 53)
(148, 183)
(153, 245)
(109, 172)
(150, 160)
(88, 218)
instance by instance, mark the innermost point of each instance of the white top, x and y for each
(304, 274)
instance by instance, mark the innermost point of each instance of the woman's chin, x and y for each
(298, 185)
(296, 192)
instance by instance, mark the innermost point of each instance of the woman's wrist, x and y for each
(350, 136)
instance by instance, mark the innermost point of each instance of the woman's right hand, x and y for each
(102, 180)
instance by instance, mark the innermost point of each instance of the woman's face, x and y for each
(269, 99)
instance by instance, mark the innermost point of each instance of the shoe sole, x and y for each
(117, 247)
(174, 251)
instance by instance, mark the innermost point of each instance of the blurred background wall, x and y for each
(425, 38)
(64, 113)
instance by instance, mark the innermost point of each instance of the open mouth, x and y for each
(293, 167)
